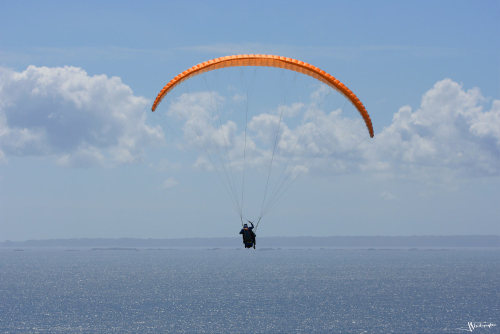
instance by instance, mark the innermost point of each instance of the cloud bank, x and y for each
(78, 119)
(453, 132)
(83, 120)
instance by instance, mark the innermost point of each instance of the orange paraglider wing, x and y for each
(270, 61)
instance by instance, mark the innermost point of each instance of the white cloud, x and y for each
(487, 124)
(169, 183)
(203, 163)
(223, 144)
(292, 110)
(203, 128)
(449, 134)
(79, 119)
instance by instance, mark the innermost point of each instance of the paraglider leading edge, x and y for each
(269, 61)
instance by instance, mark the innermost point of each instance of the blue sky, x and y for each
(81, 155)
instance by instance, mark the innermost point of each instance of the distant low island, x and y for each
(363, 242)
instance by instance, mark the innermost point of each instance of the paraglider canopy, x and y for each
(270, 61)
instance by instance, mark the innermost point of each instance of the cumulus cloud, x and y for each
(295, 137)
(204, 129)
(450, 133)
(79, 119)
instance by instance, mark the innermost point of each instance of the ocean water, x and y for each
(247, 291)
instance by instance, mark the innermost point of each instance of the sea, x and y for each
(269, 290)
